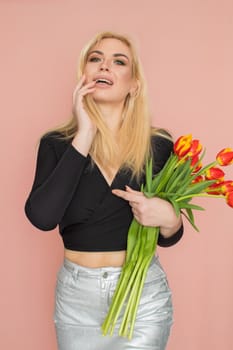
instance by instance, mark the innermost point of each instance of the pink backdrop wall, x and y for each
(187, 52)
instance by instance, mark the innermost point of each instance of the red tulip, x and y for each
(214, 189)
(194, 161)
(197, 179)
(195, 148)
(183, 145)
(229, 198)
(225, 157)
(214, 173)
(226, 186)
(221, 187)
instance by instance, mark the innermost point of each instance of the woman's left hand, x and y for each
(151, 211)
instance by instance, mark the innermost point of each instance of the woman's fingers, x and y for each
(81, 82)
(130, 197)
(78, 86)
(81, 90)
(135, 198)
(86, 126)
(138, 193)
(137, 201)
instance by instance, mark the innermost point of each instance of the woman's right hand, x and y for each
(81, 90)
(86, 128)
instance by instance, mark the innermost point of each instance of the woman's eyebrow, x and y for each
(114, 55)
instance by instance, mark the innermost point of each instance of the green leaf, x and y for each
(180, 175)
(160, 180)
(190, 218)
(175, 206)
(149, 175)
(148, 194)
(198, 187)
(184, 205)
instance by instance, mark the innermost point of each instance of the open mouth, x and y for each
(104, 81)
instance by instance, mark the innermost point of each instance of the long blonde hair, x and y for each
(134, 145)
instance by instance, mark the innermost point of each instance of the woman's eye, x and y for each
(120, 62)
(94, 59)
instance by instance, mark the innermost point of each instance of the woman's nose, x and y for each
(104, 66)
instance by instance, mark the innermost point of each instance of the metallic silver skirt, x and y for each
(83, 296)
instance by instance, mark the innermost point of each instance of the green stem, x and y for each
(135, 308)
(123, 297)
(199, 195)
(135, 246)
(148, 253)
(127, 314)
(120, 290)
(135, 273)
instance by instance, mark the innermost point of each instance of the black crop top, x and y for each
(70, 192)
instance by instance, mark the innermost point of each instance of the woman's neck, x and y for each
(112, 114)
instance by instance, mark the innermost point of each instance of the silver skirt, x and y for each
(83, 296)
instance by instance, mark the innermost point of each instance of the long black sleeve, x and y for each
(169, 241)
(54, 184)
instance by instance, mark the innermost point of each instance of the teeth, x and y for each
(104, 81)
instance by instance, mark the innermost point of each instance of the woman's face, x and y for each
(109, 63)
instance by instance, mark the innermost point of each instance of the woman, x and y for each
(87, 181)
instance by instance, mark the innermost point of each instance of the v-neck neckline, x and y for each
(109, 185)
(104, 178)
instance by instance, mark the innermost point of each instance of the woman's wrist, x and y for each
(171, 222)
(83, 141)
(165, 216)
(168, 231)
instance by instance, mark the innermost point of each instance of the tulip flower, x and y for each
(229, 198)
(195, 148)
(195, 161)
(221, 188)
(183, 145)
(214, 173)
(214, 189)
(225, 157)
(226, 186)
(198, 179)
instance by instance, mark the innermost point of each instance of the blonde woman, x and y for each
(87, 181)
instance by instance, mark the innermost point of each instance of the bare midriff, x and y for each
(96, 259)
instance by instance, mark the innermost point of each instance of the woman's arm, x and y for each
(57, 179)
(54, 184)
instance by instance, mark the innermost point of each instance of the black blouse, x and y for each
(70, 191)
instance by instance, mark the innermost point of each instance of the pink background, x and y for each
(187, 52)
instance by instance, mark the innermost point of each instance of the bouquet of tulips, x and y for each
(182, 178)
